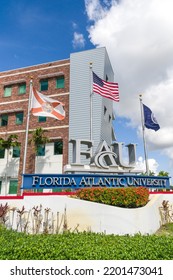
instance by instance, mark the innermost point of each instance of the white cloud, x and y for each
(78, 40)
(95, 10)
(74, 25)
(152, 164)
(138, 35)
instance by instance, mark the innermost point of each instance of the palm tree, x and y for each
(163, 173)
(6, 144)
(151, 173)
(38, 139)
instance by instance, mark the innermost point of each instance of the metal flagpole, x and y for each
(27, 130)
(91, 102)
(143, 132)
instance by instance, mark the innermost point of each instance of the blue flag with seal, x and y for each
(149, 119)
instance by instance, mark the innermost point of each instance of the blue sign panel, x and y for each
(49, 181)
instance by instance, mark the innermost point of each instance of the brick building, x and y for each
(68, 81)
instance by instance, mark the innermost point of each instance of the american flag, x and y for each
(105, 89)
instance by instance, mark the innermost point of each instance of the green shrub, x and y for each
(83, 246)
(130, 197)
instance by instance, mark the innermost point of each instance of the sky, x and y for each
(138, 36)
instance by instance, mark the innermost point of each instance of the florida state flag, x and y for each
(46, 107)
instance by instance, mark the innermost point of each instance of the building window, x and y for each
(56, 189)
(19, 118)
(22, 89)
(2, 153)
(38, 190)
(7, 91)
(44, 85)
(0, 186)
(60, 82)
(41, 119)
(13, 187)
(40, 150)
(4, 120)
(16, 152)
(58, 147)
(105, 110)
(110, 118)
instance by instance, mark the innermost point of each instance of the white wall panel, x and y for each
(80, 89)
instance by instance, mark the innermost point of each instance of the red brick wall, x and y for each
(53, 126)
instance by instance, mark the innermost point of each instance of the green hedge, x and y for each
(130, 197)
(83, 246)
